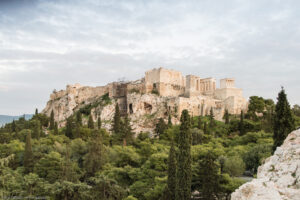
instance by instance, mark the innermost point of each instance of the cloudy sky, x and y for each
(47, 44)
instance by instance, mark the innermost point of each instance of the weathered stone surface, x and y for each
(279, 177)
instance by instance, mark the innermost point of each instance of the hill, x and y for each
(4, 119)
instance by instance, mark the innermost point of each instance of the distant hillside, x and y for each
(7, 118)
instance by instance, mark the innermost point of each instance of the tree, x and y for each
(127, 133)
(160, 127)
(172, 181)
(184, 173)
(13, 126)
(37, 129)
(116, 125)
(28, 155)
(284, 122)
(169, 121)
(69, 128)
(205, 131)
(106, 188)
(199, 125)
(99, 123)
(241, 124)
(206, 180)
(234, 166)
(256, 104)
(36, 111)
(68, 168)
(211, 118)
(91, 122)
(95, 158)
(51, 120)
(55, 128)
(226, 116)
(296, 110)
(79, 118)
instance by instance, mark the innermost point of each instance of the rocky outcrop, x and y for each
(279, 177)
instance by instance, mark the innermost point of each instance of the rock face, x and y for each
(279, 177)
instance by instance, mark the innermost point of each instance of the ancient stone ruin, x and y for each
(160, 93)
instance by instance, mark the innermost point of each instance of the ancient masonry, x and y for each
(160, 93)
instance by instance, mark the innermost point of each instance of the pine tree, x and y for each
(284, 122)
(226, 116)
(69, 128)
(170, 121)
(206, 179)
(116, 126)
(79, 118)
(172, 180)
(36, 111)
(199, 125)
(28, 155)
(37, 129)
(91, 122)
(241, 124)
(99, 123)
(55, 128)
(184, 173)
(52, 120)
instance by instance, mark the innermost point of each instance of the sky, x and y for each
(47, 44)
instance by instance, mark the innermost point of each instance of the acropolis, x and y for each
(161, 92)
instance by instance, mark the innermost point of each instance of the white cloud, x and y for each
(47, 44)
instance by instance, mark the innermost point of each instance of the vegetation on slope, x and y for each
(84, 161)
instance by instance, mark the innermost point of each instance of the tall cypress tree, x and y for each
(36, 111)
(95, 158)
(226, 116)
(284, 122)
(207, 178)
(184, 173)
(69, 128)
(205, 131)
(37, 129)
(199, 125)
(211, 118)
(127, 133)
(160, 127)
(172, 179)
(91, 122)
(28, 156)
(169, 121)
(13, 126)
(241, 124)
(116, 125)
(79, 118)
(51, 120)
(99, 123)
(55, 128)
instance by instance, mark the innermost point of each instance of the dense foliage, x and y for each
(84, 161)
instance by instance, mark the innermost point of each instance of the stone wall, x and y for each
(165, 82)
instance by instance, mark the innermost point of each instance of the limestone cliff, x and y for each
(279, 177)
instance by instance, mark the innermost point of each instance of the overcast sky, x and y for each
(49, 44)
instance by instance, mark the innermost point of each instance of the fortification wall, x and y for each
(224, 93)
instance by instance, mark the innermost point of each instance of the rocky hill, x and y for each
(159, 94)
(279, 177)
